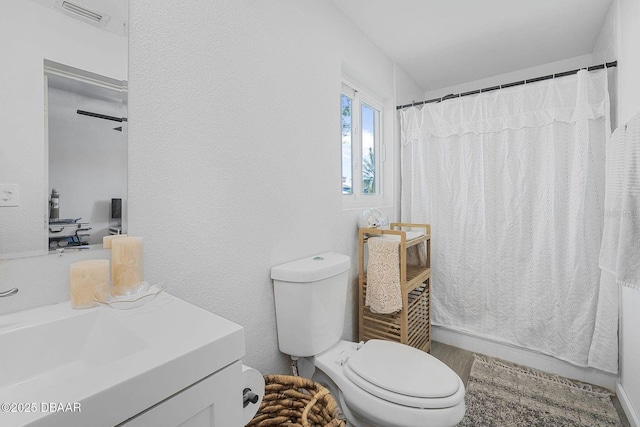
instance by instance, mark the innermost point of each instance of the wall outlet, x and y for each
(8, 194)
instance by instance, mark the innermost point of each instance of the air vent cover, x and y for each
(83, 12)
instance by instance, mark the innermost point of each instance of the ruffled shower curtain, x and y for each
(512, 183)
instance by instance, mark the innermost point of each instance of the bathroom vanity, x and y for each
(166, 363)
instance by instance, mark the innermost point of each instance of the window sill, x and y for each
(363, 203)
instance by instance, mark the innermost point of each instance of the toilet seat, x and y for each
(403, 375)
(383, 411)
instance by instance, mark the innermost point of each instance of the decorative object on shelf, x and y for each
(54, 205)
(126, 265)
(373, 218)
(116, 215)
(88, 282)
(145, 294)
(116, 208)
(106, 240)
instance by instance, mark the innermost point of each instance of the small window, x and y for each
(347, 144)
(370, 141)
(361, 118)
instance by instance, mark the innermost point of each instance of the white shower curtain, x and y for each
(512, 183)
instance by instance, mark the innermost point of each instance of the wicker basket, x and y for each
(296, 401)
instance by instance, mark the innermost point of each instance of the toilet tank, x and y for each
(310, 296)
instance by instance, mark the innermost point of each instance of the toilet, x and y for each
(377, 383)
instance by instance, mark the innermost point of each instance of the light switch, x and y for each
(8, 194)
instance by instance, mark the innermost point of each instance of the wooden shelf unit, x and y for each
(412, 324)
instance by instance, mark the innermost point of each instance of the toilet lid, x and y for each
(401, 369)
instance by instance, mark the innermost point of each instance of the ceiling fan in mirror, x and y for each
(105, 117)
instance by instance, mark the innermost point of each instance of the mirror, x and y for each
(65, 56)
(87, 151)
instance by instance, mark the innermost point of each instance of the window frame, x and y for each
(358, 198)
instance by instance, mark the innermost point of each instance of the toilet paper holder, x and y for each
(248, 396)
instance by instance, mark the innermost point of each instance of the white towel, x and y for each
(620, 248)
(628, 255)
(384, 294)
(614, 171)
(409, 235)
(416, 255)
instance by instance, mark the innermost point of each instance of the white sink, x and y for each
(112, 364)
(41, 355)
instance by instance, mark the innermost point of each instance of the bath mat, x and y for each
(503, 394)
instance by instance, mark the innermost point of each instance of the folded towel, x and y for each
(416, 255)
(384, 294)
(410, 235)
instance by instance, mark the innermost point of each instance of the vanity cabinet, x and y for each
(211, 402)
(412, 324)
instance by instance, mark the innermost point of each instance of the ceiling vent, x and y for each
(79, 11)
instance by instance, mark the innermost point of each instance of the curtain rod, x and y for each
(102, 116)
(521, 82)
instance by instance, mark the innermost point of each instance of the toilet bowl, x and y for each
(377, 383)
(417, 390)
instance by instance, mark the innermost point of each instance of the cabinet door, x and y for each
(215, 401)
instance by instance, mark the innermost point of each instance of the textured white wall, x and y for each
(407, 91)
(234, 158)
(606, 50)
(629, 57)
(514, 76)
(234, 165)
(31, 33)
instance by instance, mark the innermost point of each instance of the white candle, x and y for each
(88, 281)
(106, 240)
(126, 265)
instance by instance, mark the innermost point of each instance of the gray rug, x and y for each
(502, 394)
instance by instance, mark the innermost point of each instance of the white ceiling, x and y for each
(441, 43)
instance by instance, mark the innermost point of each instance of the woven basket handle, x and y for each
(305, 421)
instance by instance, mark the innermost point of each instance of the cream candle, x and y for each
(106, 240)
(126, 265)
(88, 281)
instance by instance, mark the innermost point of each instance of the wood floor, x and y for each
(460, 362)
(457, 359)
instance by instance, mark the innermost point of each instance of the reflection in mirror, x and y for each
(34, 32)
(87, 151)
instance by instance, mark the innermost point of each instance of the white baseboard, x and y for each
(525, 357)
(629, 411)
